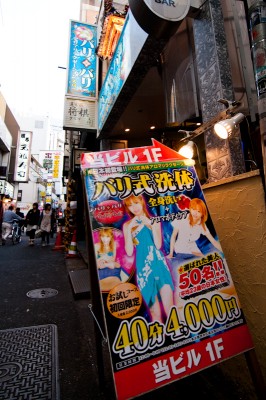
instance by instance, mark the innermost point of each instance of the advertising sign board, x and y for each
(6, 188)
(52, 161)
(23, 157)
(82, 66)
(80, 114)
(170, 305)
(129, 45)
(171, 10)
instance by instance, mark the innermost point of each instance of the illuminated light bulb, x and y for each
(226, 127)
(187, 150)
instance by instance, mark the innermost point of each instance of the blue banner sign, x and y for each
(129, 45)
(82, 67)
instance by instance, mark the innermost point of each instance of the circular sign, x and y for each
(124, 300)
(170, 10)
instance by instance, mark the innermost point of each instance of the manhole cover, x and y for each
(42, 293)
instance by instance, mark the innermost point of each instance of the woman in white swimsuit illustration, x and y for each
(188, 230)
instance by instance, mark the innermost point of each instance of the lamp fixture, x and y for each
(187, 150)
(226, 127)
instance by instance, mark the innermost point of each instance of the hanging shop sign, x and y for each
(48, 192)
(48, 199)
(49, 187)
(130, 43)
(80, 114)
(23, 156)
(6, 188)
(52, 161)
(111, 30)
(19, 195)
(82, 65)
(170, 305)
(171, 10)
(159, 18)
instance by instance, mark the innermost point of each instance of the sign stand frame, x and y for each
(250, 355)
(96, 301)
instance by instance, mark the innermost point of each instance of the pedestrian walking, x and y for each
(21, 223)
(32, 221)
(53, 223)
(45, 224)
(8, 218)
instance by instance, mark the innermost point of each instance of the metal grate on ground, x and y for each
(29, 363)
(80, 281)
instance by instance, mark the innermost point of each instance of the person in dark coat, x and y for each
(32, 220)
(21, 223)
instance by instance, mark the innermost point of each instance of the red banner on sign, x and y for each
(177, 364)
(138, 155)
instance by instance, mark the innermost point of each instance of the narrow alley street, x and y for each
(24, 269)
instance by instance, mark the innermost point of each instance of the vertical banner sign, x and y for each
(170, 305)
(23, 156)
(125, 55)
(52, 161)
(82, 60)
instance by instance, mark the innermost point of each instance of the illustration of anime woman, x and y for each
(153, 276)
(188, 230)
(109, 270)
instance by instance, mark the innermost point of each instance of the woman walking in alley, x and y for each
(32, 221)
(45, 224)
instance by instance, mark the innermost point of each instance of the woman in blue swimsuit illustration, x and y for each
(153, 276)
(109, 270)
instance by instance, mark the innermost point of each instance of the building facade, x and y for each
(172, 80)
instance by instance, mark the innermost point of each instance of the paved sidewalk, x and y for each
(24, 269)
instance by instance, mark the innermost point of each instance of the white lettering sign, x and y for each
(23, 157)
(171, 10)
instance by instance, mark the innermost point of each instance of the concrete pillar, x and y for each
(224, 157)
